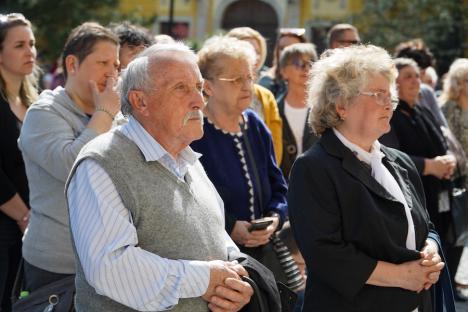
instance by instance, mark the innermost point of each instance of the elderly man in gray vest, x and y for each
(147, 223)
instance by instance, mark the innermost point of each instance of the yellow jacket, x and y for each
(271, 118)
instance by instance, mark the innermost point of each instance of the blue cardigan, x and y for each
(223, 165)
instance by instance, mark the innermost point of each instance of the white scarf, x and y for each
(381, 174)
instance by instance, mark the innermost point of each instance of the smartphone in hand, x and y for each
(260, 224)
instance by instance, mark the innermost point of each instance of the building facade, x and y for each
(199, 19)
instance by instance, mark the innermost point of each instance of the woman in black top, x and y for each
(17, 92)
(416, 132)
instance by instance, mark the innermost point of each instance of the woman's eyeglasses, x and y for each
(238, 81)
(301, 64)
(382, 98)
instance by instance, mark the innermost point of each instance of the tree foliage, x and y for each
(54, 19)
(441, 24)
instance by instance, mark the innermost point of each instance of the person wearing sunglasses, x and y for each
(18, 89)
(272, 79)
(357, 207)
(342, 36)
(295, 63)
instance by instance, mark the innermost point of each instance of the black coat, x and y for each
(12, 172)
(416, 133)
(289, 141)
(344, 221)
(264, 279)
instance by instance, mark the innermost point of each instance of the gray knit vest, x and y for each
(174, 219)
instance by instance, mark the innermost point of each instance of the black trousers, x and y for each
(35, 278)
(10, 257)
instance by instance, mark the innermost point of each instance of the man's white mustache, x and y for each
(196, 114)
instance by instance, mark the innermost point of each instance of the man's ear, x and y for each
(138, 102)
(71, 64)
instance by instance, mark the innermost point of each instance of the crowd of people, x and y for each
(150, 172)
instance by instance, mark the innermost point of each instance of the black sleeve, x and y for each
(7, 189)
(230, 221)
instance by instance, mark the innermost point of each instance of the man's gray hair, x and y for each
(137, 74)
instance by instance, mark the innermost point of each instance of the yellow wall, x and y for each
(144, 8)
(332, 9)
(147, 8)
(181, 7)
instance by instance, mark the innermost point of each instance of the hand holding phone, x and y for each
(260, 224)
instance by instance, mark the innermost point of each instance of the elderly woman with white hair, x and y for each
(238, 152)
(357, 207)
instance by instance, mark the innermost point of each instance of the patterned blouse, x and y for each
(457, 120)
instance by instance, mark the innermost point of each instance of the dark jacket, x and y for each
(289, 141)
(224, 167)
(267, 291)
(416, 133)
(344, 221)
(277, 87)
(12, 173)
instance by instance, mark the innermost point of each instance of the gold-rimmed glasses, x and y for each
(238, 81)
(381, 98)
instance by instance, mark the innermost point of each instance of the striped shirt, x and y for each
(106, 239)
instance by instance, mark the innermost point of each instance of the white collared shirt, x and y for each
(381, 174)
(106, 239)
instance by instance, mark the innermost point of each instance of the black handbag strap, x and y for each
(16, 291)
(252, 162)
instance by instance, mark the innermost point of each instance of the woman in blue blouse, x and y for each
(237, 147)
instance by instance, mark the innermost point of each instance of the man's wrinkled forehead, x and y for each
(172, 67)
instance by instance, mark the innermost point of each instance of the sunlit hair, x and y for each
(246, 33)
(402, 62)
(453, 83)
(137, 75)
(340, 75)
(295, 51)
(28, 90)
(336, 32)
(299, 33)
(219, 47)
